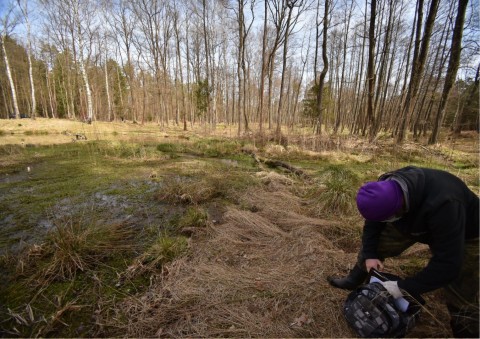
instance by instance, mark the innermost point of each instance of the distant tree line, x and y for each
(343, 66)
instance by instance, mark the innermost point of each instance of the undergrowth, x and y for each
(118, 212)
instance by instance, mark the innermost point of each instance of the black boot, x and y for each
(355, 278)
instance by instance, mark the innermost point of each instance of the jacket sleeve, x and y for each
(447, 228)
(370, 236)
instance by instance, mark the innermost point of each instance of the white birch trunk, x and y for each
(30, 68)
(107, 88)
(82, 64)
(88, 92)
(10, 79)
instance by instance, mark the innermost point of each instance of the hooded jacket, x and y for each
(442, 212)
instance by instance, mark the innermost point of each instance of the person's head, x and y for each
(380, 200)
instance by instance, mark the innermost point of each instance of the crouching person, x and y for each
(433, 207)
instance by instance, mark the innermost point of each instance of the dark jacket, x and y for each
(443, 212)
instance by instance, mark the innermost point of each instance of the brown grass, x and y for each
(73, 246)
(256, 274)
(260, 270)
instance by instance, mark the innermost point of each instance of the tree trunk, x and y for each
(454, 61)
(371, 70)
(284, 66)
(418, 67)
(10, 79)
(344, 62)
(30, 67)
(107, 89)
(261, 88)
(323, 74)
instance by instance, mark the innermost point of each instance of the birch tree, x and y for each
(7, 25)
(24, 8)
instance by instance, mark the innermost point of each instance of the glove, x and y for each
(392, 288)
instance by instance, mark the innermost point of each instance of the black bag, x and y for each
(372, 312)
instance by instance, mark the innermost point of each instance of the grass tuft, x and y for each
(194, 216)
(170, 148)
(163, 250)
(337, 193)
(126, 150)
(74, 246)
(196, 190)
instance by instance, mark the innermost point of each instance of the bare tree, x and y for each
(277, 11)
(371, 69)
(121, 19)
(83, 25)
(290, 25)
(243, 31)
(24, 8)
(348, 18)
(323, 73)
(453, 63)
(178, 38)
(418, 64)
(7, 25)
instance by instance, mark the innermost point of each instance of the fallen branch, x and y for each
(277, 163)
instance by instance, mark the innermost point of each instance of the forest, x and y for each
(343, 66)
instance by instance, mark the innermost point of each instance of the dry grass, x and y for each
(73, 246)
(260, 269)
(256, 274)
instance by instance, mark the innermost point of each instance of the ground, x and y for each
(145, 231)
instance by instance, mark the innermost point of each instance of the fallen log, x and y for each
(278, 163)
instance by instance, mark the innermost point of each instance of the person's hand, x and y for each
(373, 263)
(392, 288)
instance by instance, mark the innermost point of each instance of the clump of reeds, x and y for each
(196, 190)
(164, 249)
(73, 246)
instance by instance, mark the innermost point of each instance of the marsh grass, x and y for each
(336, 193)
(195, 190)
(127, 150)
(74, 246)
(115, 263)
(36, 132)
(164, 249)
(194, 216)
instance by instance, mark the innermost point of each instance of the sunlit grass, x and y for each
(335, 194)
